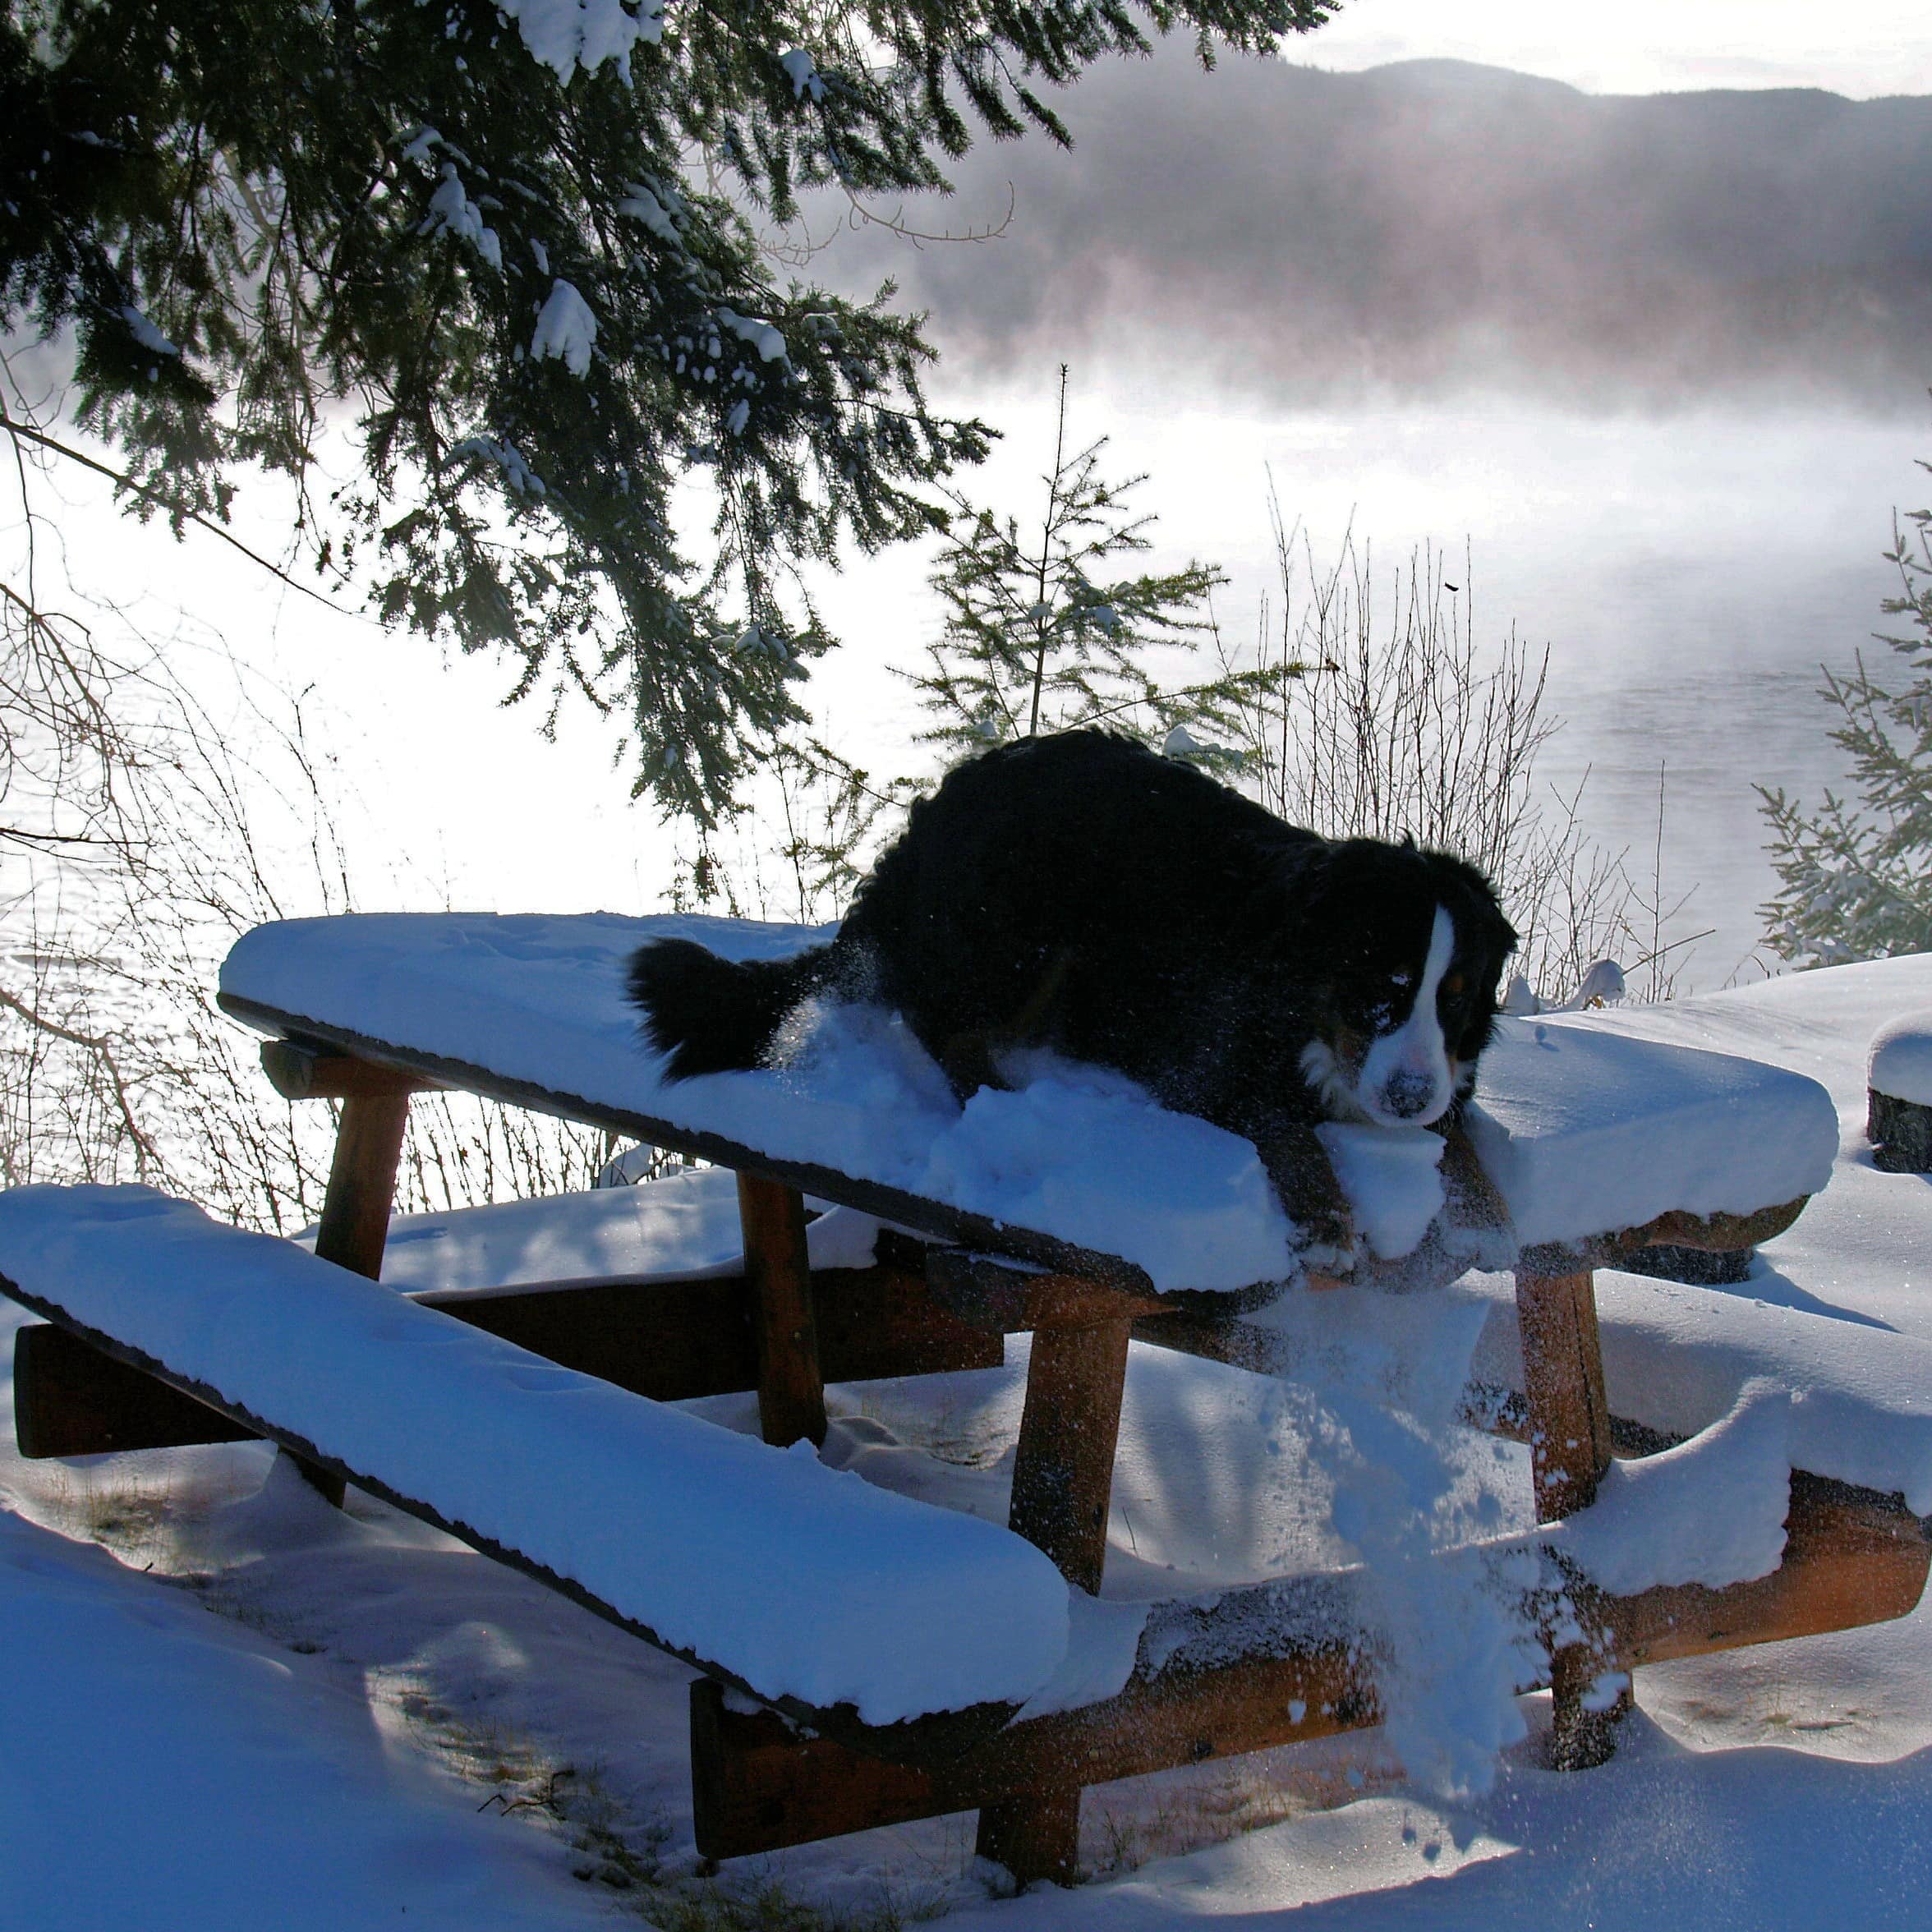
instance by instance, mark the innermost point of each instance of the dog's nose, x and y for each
(1407, 1094)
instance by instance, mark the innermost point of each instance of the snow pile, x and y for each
(1710, 1511)
(1377, 1383)
(1587, 1133)
(1901, 1064)
(1391, 1178)
(804, 1581)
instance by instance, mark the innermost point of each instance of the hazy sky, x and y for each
(1858, 47)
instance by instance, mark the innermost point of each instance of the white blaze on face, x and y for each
(1405, 1074)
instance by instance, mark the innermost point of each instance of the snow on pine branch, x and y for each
(565, 35)
(565, 329)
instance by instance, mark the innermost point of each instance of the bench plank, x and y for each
(671, 1340)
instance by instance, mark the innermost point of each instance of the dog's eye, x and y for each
(1401, 982)
(1454, 985)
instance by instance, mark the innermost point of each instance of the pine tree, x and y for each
(1040, 635)
(1855, 877)
(512, 242)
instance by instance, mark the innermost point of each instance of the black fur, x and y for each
(1082, 894)
(713, 1015)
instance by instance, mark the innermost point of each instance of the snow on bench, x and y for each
(1678, 1359)
(1585, 1134)
(684, 1226)
(801, 1581)
(1586, 1131)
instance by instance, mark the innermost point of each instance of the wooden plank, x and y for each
(71, 1400)
(933, 1218)
(1713, 1232)
(760, 1784)
(297, 1072)
(669, 1341)
(778, 1275)
(1850, 1558)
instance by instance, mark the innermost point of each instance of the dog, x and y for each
(1082, 894)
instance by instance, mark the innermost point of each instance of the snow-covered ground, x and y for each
(375, 1724)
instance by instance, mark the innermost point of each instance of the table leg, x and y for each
(1062, 1469)
(1063, 1475)
(355, 1210)
(1035, 1837)
(778, 1275)
(1569, 1453)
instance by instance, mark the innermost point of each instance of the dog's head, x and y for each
(1410, 946)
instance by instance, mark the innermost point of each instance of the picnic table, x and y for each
(1072, 1210)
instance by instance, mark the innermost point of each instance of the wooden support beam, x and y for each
(791, 1388)
(1035, 1837)
(1063, 1467)
(760, 1783)
(1570, 1450)
(1563, 1384)
(297, 1072)
(1063, 1475)
(994, 1295)
(71, 1400)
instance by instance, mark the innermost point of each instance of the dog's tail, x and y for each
(714, 1015)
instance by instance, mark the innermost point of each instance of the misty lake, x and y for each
(1690, 574)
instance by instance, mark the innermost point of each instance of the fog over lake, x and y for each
(1689, 576)
(1660, 360)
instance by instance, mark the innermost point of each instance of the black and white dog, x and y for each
(1080, 894)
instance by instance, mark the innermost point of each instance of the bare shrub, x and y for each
(115, 1061)
(1399, 725)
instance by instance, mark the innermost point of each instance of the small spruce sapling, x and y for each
(1855, 876)
(1040, 635)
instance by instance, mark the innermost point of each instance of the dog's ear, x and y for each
(1496, 930)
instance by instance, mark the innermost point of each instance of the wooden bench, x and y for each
(1260, 1666)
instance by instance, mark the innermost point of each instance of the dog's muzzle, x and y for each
(1407, 1095)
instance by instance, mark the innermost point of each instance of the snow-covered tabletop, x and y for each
(1585, 1132)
